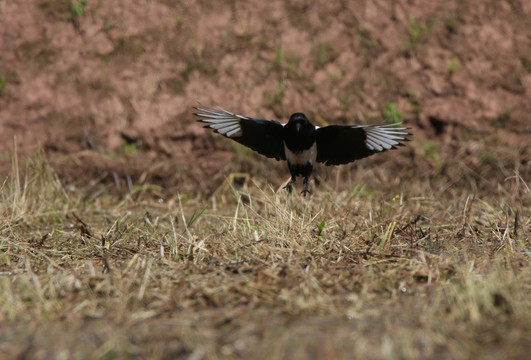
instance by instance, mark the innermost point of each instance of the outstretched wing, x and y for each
(263, 136)
(343, 144)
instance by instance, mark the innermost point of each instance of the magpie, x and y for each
(300, 142)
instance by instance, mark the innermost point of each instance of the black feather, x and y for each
(263, 136)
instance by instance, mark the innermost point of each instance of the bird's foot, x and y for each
(306, 187)
(288, 187)
(305, 191)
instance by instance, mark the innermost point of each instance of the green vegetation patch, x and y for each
(3, 84)
(392, 114)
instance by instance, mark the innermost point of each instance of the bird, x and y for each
(301, 143)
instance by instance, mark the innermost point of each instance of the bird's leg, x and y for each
(306, 189)
(289, 186)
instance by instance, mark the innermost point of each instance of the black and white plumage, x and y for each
(301, 143)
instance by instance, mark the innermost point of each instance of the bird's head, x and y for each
(298, 119)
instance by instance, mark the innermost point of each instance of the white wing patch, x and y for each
(383, 137)
(221, 120)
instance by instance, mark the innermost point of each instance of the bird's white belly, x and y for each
(303, 157)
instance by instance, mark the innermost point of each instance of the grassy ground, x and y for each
(416, 271)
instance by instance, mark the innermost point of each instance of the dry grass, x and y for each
(413, 273)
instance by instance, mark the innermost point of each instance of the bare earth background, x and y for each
(119, 77)
(121, 251)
